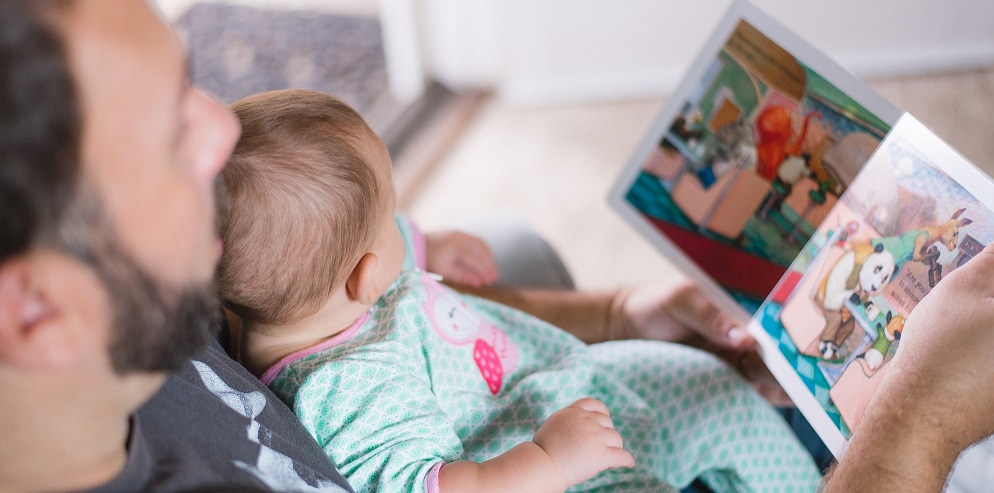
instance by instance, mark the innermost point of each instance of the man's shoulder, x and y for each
(214, 423)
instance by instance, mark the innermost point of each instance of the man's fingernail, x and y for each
(736, 334)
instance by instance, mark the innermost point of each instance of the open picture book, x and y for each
(804, 203)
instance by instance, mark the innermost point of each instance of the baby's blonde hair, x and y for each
(299, 199)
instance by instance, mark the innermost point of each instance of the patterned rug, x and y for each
(236, 51)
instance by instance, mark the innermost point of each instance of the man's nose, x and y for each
(218, 132)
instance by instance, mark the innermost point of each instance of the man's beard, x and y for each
(155, 327)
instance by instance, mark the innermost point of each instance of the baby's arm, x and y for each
(572, 446)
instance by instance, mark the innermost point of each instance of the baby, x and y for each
(411, 386)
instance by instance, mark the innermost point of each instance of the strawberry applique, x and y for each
(489, 364)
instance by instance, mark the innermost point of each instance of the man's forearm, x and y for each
(895, 449)
(588, 316)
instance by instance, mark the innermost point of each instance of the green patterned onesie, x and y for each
(430, 376)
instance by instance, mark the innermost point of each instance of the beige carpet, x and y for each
(554, 166)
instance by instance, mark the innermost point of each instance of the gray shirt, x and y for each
(214, 427)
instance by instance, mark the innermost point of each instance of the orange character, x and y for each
(776, 128)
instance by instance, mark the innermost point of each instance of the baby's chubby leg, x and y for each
(708, 422)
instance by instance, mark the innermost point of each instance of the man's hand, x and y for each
(581, 441)
(679, 312)
(946, 356)
(460, 258)
(936, 399)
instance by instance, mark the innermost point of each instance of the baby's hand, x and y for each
(581, 441)
(460, 258)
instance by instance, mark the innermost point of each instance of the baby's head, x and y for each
(309, 209)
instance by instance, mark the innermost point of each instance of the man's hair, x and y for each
(300, 204)
(40, 127)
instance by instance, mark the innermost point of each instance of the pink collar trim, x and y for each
(337, 339)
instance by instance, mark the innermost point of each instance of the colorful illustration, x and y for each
(839, 311)
(775, 181)
(758, 154)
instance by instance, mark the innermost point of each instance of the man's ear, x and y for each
(35, 332)
(361, 283)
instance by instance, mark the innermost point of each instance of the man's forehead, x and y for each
(104, 33)
(128, 64)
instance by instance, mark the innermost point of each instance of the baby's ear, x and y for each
(361, 283)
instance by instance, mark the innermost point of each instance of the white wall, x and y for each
(552, 51)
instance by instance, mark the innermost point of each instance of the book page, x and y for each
(915, 213)
(748, 156)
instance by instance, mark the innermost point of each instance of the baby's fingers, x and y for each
(610, 438)
(473, 275)
(618, 457)
(478, 258)
(613, 451)
(591, 404)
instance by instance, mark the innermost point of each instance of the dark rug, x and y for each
(236, 51)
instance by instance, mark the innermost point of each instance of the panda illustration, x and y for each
(859, 273)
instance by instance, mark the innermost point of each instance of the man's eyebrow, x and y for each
(188, 69)
(185, 85)
(187, 75)
(186, 80)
